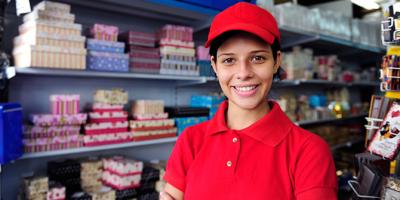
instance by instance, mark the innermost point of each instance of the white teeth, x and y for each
(245, 89)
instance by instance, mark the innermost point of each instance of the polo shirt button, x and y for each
(229, 163)
(234, 140)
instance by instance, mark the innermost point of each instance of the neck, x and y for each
(239, 118)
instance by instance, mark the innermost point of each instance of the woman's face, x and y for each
(245, 66)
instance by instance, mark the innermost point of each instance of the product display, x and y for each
(60, 130)
(104, 52)
(91, 172)
(212, 102)
(109, 123)
(67, 173)
(386, 141)
(104, 32)
(121, 173)
(64, 104)
(36, 187)
(301, 64)
(177, 51)
(150, 121)
(114, 97)
(50, 38)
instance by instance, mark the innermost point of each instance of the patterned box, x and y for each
(104, 32)
(105, 46)
(50, 39)
(49, 57)
(60, 28)
(138, 38)
(105, 61)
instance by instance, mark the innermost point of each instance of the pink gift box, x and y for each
(57, 193)
(101, 117)
(105, 32)
(103, 107)
(32, 132)
(64, 104)
(58, 120)
(106, 128)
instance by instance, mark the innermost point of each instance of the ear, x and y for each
(213, 64)
(278, 61)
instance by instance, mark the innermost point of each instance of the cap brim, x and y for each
(250, 28)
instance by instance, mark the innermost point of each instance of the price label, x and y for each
(23, 6)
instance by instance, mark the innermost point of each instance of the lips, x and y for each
(245, 90)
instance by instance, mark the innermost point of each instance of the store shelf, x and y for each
(97, 148)
(286, 83)
(95, 74)
(349, 143)
(167, 10)
(324, 121)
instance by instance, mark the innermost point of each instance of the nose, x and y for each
(245, 70)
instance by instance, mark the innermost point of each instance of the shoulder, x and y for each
(305, 141)
(194, 136)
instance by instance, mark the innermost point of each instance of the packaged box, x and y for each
(121, 182)
(143, 65)
(106, 61)
(108, 127)
(147, 107)
(49, 57)
(138, 38)
(184, 122)
(64, 104)
(105, 46)
(50, 39)
(154, 134)
(105, 139)
(53, 6)
(10, 132)
(104, 32)
(206, 101)
(114, 97)
(50, 16)
(60, 28)
(173, 50)
(122, 166)
(176, 32)
(205, 68)
(58, 120)
(144, 52)
(32, 132)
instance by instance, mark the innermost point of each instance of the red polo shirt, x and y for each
(271, 159)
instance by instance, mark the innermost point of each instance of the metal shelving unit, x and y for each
(324, 121)
(96, 74)
(96, 148)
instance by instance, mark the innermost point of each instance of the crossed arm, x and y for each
(171, 193)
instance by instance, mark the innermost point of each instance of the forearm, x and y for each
(172, 193)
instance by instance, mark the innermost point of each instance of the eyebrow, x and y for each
(255, 51)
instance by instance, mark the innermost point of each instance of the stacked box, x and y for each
(187, 116)
(143, 56)
(108, 121)
(204, 62)
(59, 130)
(36, 188)
(91, 172)
(120, 173)
(177, 51)
(50, 38)
(68, 173)
(104, 52)
(56, 193)
(150, 121)
(212, 102)
(150, 176)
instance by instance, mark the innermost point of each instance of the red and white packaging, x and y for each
(105, 128)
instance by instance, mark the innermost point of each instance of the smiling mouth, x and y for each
(245, 88)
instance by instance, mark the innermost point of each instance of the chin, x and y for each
(248, 104)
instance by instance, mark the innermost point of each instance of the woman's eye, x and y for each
(258, 59)
(228, 60)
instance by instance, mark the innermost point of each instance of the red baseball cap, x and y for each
(245, 17)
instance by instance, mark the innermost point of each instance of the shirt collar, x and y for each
(271, 129)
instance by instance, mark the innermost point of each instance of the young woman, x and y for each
(250, 149)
